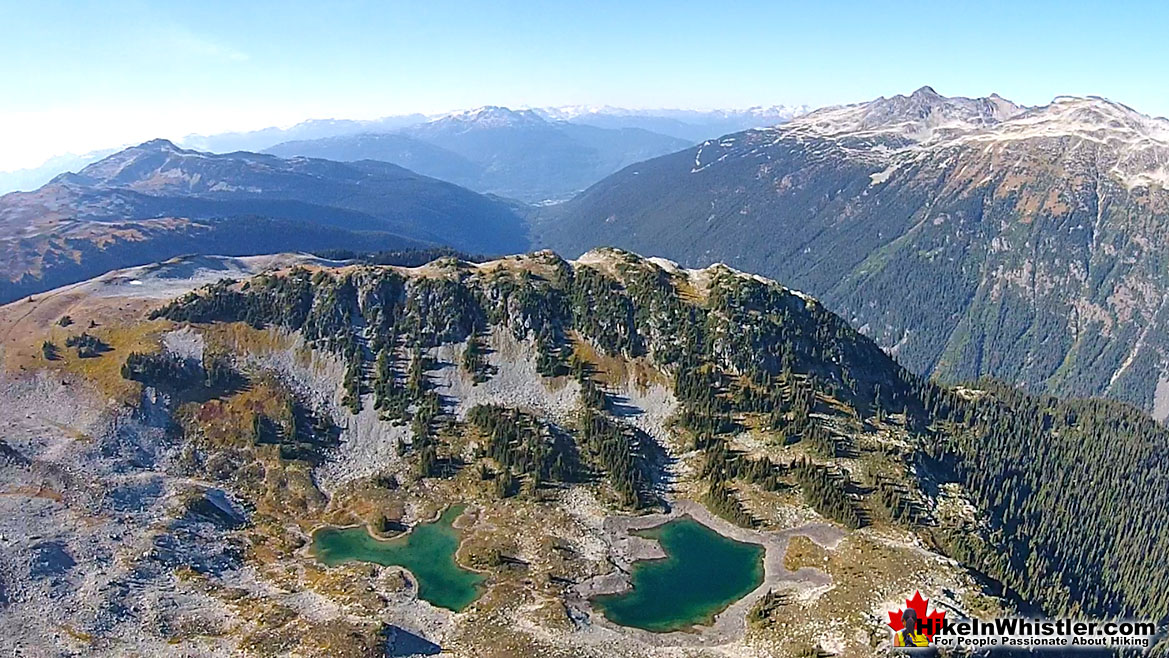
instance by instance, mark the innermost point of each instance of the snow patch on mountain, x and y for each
(488, 116)
(768, 115)
(1133, 147)
(919, 117)
(884, 174)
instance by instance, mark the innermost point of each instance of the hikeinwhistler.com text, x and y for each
(1039, 633)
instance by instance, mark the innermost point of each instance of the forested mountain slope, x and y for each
(968, 236)
(754, 346)
(555, 398)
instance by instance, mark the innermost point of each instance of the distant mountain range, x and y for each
(156, 200)
(512, 153)
(258, 140)
(31, 178)
(690, 126)
(968, 236)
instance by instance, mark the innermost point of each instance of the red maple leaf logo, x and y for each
(930, 623)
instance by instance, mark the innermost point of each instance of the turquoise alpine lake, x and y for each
(427, 551)
(703, 573)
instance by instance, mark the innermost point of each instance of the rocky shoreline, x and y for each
(729, 625)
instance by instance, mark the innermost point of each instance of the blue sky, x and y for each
(83, 75)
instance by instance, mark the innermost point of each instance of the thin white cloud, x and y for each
(183, 42)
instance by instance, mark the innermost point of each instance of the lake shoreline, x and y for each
(704, 574)
(311, 534)
(730, 624)
(356, 543)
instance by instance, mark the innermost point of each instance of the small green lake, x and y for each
(703, 573)
(427, 551)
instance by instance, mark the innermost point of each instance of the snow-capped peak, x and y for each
(491, 116)
(1137, 144)
(158, 144)
(771, 114)
(920, 117)
(1093, 115)
(891, 130)
(570, 112)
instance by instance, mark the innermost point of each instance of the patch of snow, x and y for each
(883, 175)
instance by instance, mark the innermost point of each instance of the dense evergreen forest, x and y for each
(1075, 494)
(1079, 490)
(398, 257)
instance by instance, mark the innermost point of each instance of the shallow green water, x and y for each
(703, 573)
(427, 551)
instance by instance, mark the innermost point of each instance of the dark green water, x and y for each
(427, 551)
(703, 573)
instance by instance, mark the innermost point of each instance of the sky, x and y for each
(79, 76)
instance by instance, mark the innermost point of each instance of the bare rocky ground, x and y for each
(94, 518)
(92, 527)
(110, 546)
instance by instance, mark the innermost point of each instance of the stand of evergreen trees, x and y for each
(399, 257)
(621, 454)
(1075, 492)
(87, 345)
(620, 451)
(171, 372)
(899, 502)
(523, 445)
(720, 497)
(299, 433)
(390, 396)
(827, 493)
(474, 360)
(604, 313)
